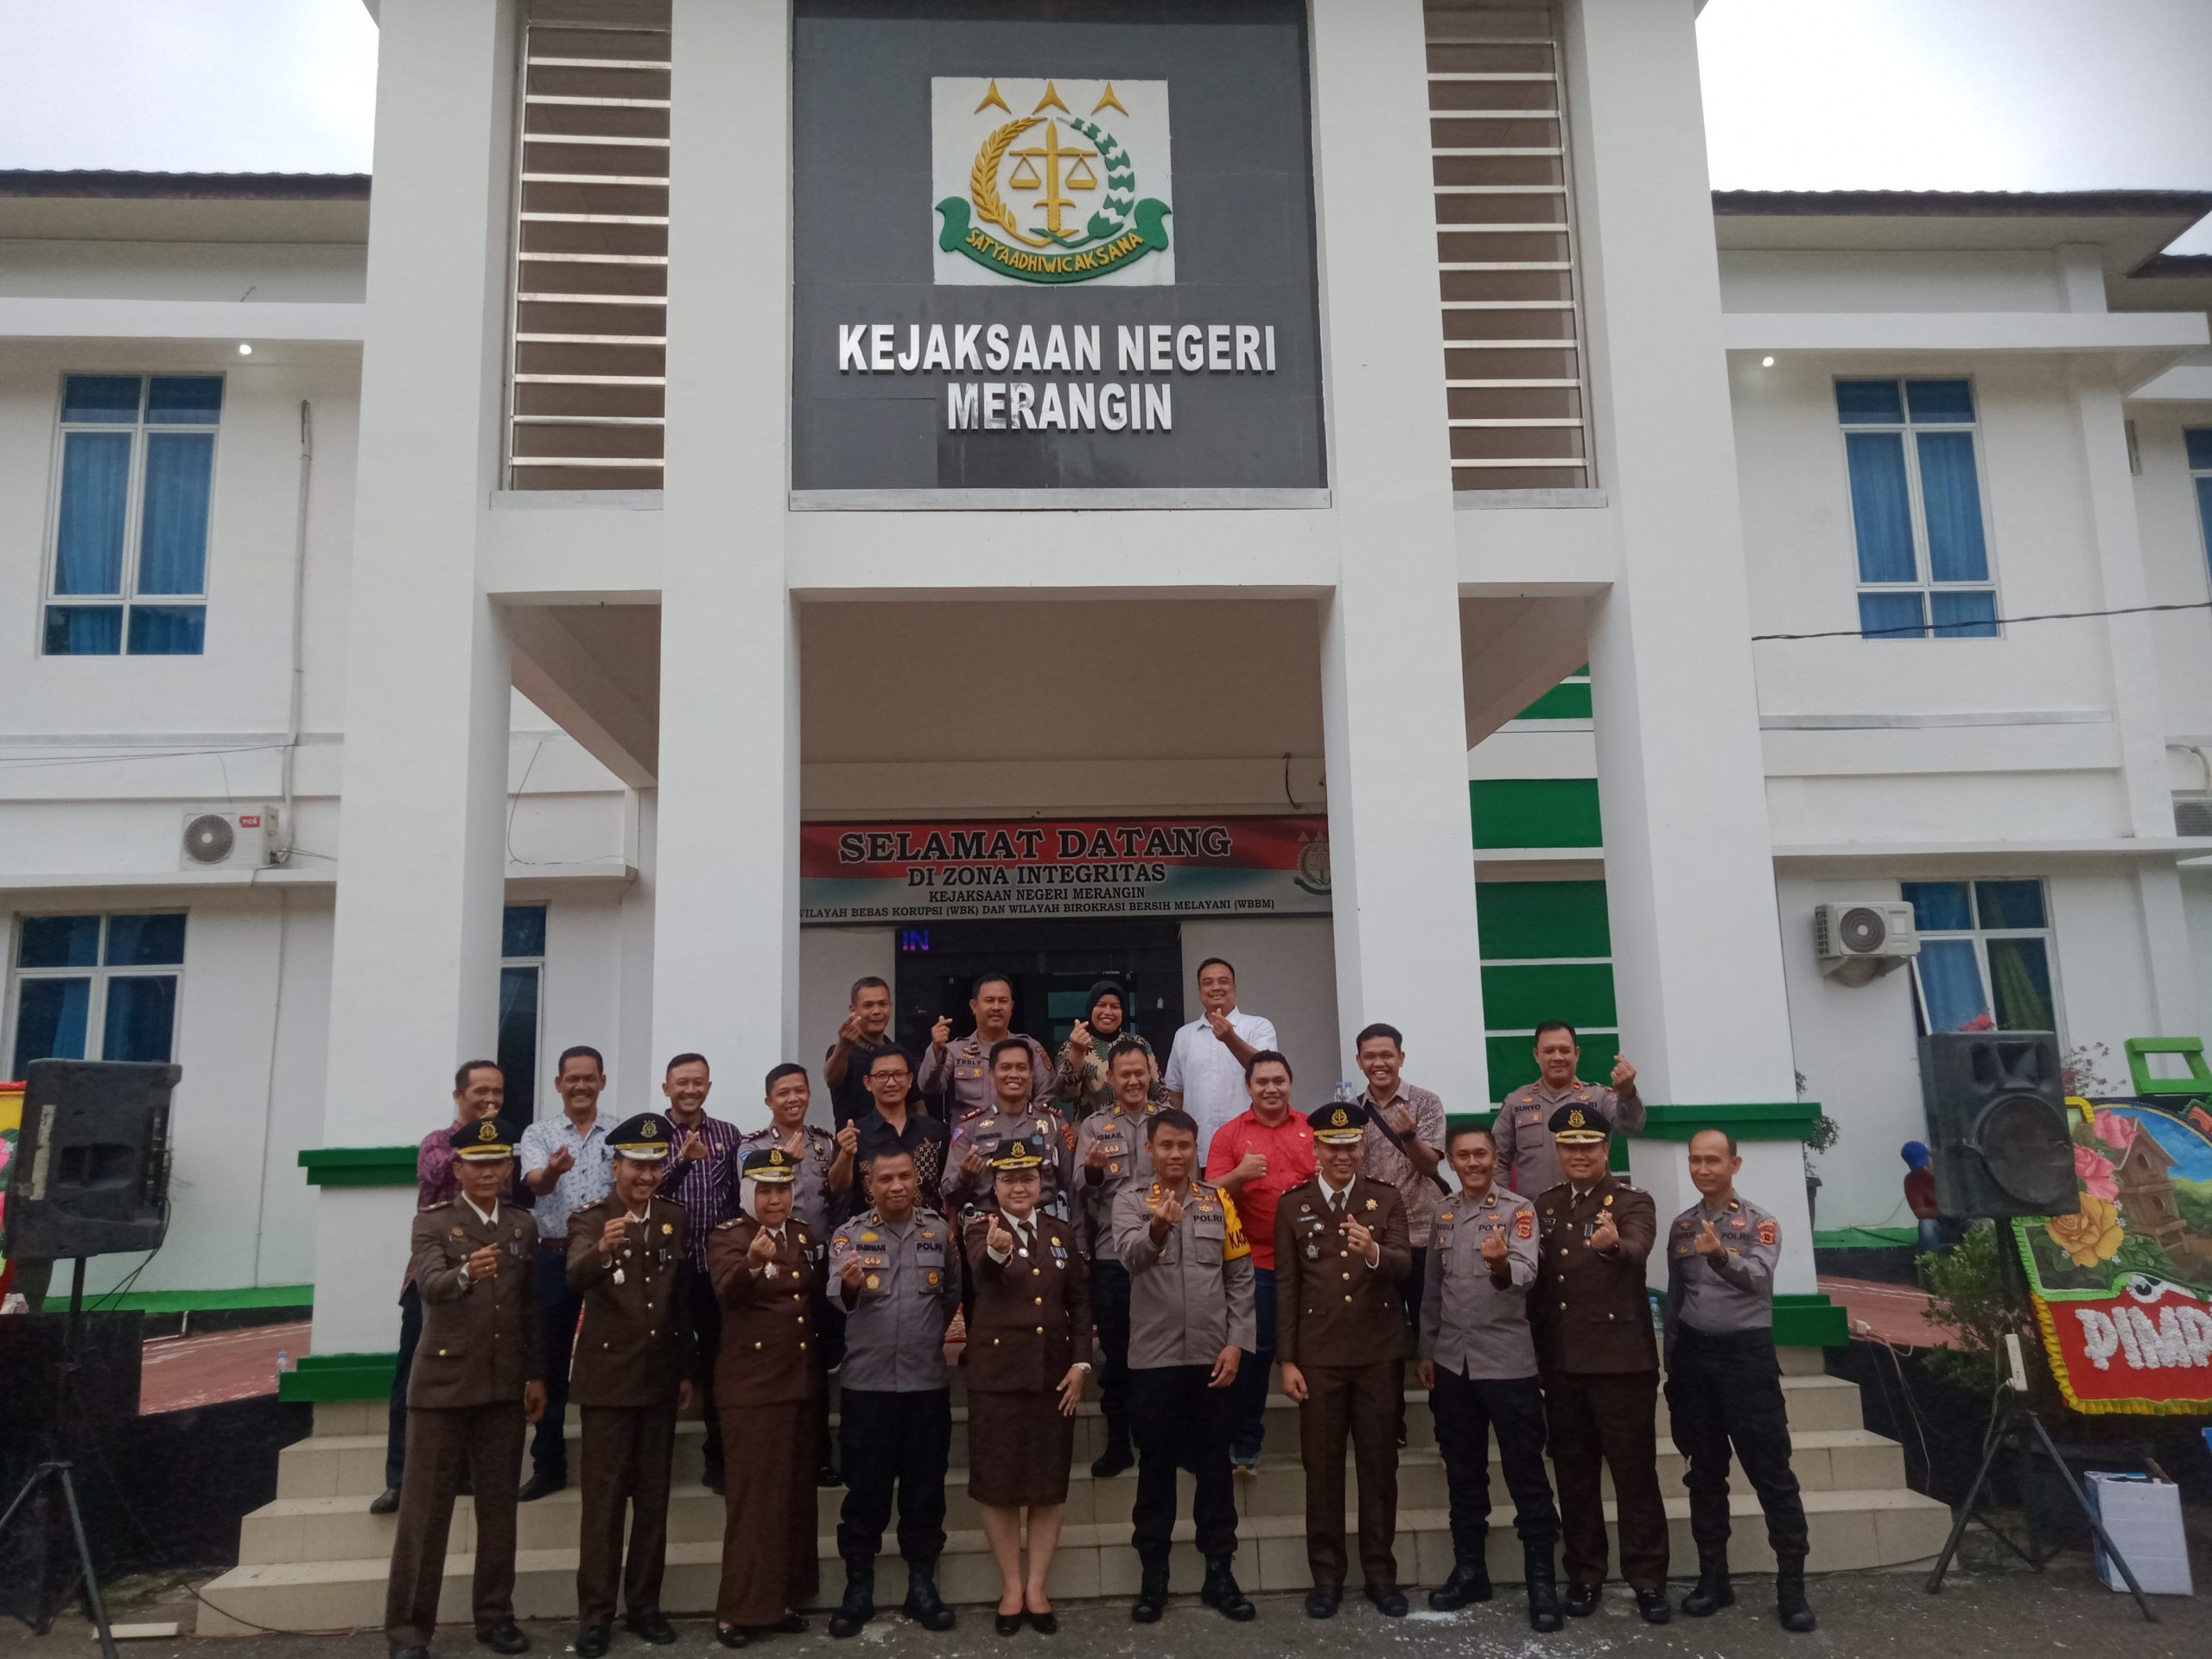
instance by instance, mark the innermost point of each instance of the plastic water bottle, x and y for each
(284, 1361)
(1347, 1092)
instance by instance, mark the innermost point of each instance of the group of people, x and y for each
(1047, 1216)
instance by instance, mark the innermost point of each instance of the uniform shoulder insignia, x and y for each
(1446, 1216)
(724, 1226)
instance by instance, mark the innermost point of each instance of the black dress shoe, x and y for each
(1651, 1605)
(385, 1502)
(503, 1637)
(790, 1624)
(1581, 1599)
(1389, 1600)
(592, 1641)
(1044, 1624)
(827, 1475)
(542, 1483)
(1007, 1624)
(1115, 1459)
(730, 1635)
(652, 1627)
(1321, 1601)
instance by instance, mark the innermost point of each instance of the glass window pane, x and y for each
(1950, 983)
(1938, 906)
(522, 933)
(1964, 612)
(2019, 976)
(184, 400)
(58, 941)
(167, 630)
(2010, 904)
(518, 1051)
(1864, 403)
(2204, 510)
(173, 520)
(145, 941)
(107, 397)
(84, 629)
(95, 497)
(1953, 505)
(50, 1021)
(2198, 441)
(1890, 616)
(141, 1022)
(1931, 400)
(1881, 511)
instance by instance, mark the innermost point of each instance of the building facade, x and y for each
(1435, 553)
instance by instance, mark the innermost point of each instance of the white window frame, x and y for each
(1924, 582)
(100, 973)
(539, 1090)
(134, 507)
(1980, 937)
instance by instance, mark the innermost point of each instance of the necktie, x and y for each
(1336, 1206)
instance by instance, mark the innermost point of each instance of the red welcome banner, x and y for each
(926, 870)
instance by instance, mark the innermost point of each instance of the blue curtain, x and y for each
(1950, 982)
(173, 523)
(1932, 401)
(167, 630)
(1890, 616)
(2204, 512)
(95, 495)
(1938, 906)
(1869, 403)
(154, 941)
(1964, 612)
(84, 629)
(141, 1020)
(2011, 903)
(1881, 511)
(50, 1021)
(1953, 503)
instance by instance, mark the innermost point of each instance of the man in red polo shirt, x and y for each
(1257, 1156)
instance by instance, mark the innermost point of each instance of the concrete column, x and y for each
(414, 973)
(1689, 871)
(1392, 713)
(726, 947)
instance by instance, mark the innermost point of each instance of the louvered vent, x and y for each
(1505, 249)
(2193, 815)
(589, 360)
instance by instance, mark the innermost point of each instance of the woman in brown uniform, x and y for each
(1029, 1349)
(764, 1273)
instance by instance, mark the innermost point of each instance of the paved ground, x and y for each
(1891, 1313)
(181, 1371)
(1992, 1612)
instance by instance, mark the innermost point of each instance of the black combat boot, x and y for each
(1152, 1594)
(1543, 1588)
(1712, 1591)
(923, 1605)
(1469, 1581)
(1789, 1603)
(859, 1604)
(1220, 1593)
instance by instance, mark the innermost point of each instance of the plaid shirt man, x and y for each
(707, 1186)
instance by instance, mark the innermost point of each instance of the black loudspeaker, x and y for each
(91, 1169)
(1997, 1124)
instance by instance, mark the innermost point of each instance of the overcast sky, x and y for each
(1800, 94)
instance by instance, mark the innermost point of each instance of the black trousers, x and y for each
(828, 1315)
(1109, 1309)
(410, 1332)
(1467, 1411)
(1724, 1390)
(890, 1441)
(705, 1312)
(558, 1310)
(1181, 1423)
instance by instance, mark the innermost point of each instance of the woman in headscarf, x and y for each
(1079, 1081)
(1028, 1352)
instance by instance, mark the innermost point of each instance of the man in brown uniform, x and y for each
(478, 1380)
(1600, 1365)
(1341, 1253)
(766, 1274)
(632, 1374)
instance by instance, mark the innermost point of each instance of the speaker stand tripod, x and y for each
(56, 1468)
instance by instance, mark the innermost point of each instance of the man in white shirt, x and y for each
(1205, 1069)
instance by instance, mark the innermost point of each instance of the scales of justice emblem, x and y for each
(1041, 190)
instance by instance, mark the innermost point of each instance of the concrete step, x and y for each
(1851, 1529)
(346, 1452)
(337, 1528)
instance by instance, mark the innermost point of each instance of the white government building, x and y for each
(577, 578)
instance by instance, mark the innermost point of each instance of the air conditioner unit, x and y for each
(2193, 815)
(1859, 942)
(228, 840)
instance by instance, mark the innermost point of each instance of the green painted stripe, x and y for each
(1568, 701)
(193, 1301)
(1515, 920)
(1512, 1060)
(359, 1166)
(1806, 1319)
(1786, 1120)
(1535, 812)
(1516, 999)
(1867, 1238)
(329, 1378)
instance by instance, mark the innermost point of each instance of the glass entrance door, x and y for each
(1052, 965)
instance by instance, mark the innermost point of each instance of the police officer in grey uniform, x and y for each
(1724, 1382)
(1479, 1364)
(1526, 1153)
(1012, 1116)
(1111, 1153)
(897, 1269)
(1191, 1321)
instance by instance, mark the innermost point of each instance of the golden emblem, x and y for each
(873, 1282)
(487, 1130)
(652, 1128)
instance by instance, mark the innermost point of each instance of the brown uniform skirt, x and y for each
(769, 1565)
(1018, 1449)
